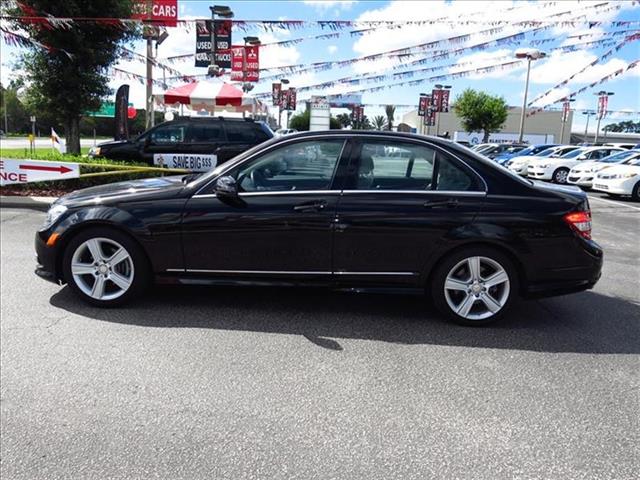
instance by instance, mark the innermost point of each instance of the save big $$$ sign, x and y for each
(24, 171)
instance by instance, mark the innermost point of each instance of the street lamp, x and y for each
(566, 110)
(603, 97)
(283, 81)
(222, 12)
(586, 127)
(529, 54)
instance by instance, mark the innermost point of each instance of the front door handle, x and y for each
(449, 203)
(313, 206)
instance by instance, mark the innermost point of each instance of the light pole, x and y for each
(603, 100)
(283, 81)
(566, 111)
(529, 54)
(586, 127)
(439, 107)
(421, 120)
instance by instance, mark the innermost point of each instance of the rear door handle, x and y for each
(449, 203)
(316, 206)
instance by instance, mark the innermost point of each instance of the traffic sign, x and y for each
(24, 171)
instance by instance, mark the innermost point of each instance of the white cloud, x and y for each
(559, 66)
(332, 49)
(324, 5)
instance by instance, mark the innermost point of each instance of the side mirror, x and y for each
(581, 157)
(226, 187)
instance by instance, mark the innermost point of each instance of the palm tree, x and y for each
(379, 122)
(390, 111)
(344, 119)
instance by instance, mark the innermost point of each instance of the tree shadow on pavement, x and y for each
(587, 322)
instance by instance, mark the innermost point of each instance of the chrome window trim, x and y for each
(285, 272)
(280, 192)
(422, 192)
(281, 143)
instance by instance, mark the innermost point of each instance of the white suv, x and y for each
(557, 169)
(583, 173)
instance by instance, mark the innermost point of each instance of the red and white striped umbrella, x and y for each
(207, 96)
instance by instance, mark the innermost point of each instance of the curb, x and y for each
(34, 203)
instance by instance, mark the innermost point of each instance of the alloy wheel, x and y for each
(102, 268)
(561, 176)
(477, 288)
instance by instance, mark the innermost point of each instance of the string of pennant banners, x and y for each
(604, 79)
(630, 38)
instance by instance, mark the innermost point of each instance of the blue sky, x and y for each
(510, 83)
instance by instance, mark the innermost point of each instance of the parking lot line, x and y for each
(613, 202)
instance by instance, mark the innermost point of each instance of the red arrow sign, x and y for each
(61, 168)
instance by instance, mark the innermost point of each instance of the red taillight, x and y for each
(580, 222)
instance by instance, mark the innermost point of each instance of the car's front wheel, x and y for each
(475, 286)
(560, 175)
(105, 267)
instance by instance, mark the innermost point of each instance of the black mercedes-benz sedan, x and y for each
(342, 209)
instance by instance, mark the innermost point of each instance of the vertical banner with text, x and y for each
(276, 94)
(422, 105)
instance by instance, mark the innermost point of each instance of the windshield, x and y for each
(546, 153)
(618, 157)
(573, 153)
(635, 161)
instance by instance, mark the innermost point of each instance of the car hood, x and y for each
(131, 190)
(622, 169)
(587, 166)
(114, 143)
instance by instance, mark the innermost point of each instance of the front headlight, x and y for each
(94, 151)
(53, 215)
(625, 175)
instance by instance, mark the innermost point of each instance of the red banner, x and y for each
(422, 105)
(163, 12)
(430, 117)
(444, 101)
(566, 106)
(276, 94)
(436, 99)
(292, 98)
(245, 63)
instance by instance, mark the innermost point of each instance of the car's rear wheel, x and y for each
(475, 286)
(105, 267)
(635, 193)
(560, 175)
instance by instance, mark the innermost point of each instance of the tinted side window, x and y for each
(394, 166)
(406, 166)
(206, 132)
(240, 132)
(172, 133)
(301, 166)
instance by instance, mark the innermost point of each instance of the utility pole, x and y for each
(149, 91)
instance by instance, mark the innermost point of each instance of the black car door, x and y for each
(400, 202)
(281, 221)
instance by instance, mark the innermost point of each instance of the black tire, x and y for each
(560, 176)
(449, 262)
(141, 269)
(635, 193)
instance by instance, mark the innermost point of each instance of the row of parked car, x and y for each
(610, 168)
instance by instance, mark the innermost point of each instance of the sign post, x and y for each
(32, 137)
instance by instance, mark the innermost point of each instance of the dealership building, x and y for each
(543, 127)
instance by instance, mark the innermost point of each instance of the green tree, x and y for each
(16, 114)
(379, 122)
(627, 126)
(390, 112)
(344, 119)
(71, 77)
(481, 112)
(302, 120)
(365, 124)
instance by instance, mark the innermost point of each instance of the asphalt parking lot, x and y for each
(195, 383)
